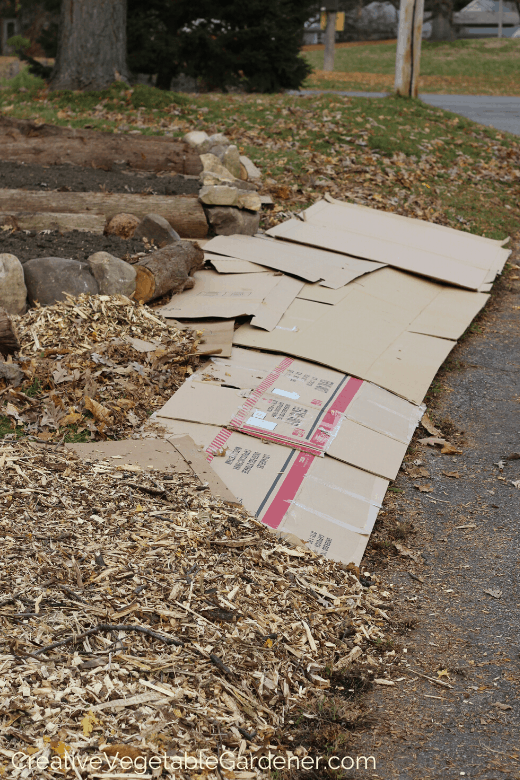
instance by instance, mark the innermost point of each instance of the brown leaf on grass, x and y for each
(98, 411)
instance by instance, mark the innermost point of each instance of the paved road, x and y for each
(501, 112)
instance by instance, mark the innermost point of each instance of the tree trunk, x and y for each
(442, 13)
(91, 46)
(8, 340)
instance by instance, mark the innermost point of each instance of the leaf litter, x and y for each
(83, 366)
(138, 608)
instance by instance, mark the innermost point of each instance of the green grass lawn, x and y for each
(392, 153)
(488, 66)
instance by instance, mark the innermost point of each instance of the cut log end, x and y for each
(144, 284)
(9, 343)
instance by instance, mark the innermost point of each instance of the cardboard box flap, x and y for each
(232, 265)
(303, 406)
(449, 314)
(425, 262)
(360, 336)
(467, 248)
(181, 456)
(409, 365)
(315, 265)
(203, 402)
(328, 505)
(266, 296)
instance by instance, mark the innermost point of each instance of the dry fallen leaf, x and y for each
(429, 426)
(407, 552)
(425, 488)
(495, 592)
(88, 723)
(99, 411)
(502, 706)
(123, 751)
(452, 474)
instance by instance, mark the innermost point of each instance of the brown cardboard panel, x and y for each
(449, 314)
(425, 262)
(322, 502)
(217, 336)
(315, 265)
(181, 456)
(362, 336)
(469, 249)
(433, 309)
(266, 296)
(232, 265)
(300, 405)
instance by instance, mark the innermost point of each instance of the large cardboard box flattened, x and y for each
(360, 336)
(265, 296)
(330, 269)
(302, 406)
(322, 502)
(423, 248)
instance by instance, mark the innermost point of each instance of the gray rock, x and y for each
(49, 278)
(218, 151)
(218, 195)
(212, 164)
(249, 200)
(219, 139)
(199, 140)
(231, 160)
(13, 292)
(155, 228)
(113, 276)
(226, 221)
(12, 373)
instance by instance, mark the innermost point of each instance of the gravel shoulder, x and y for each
(464, 583)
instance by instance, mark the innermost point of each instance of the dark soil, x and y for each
(70, 178)
(76, 245)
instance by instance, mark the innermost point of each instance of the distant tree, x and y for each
(225, 43)
(91, 45)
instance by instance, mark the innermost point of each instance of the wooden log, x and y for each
(184, 213)
(25, 141)
(167, 270)
(90, 223)
(8, 340)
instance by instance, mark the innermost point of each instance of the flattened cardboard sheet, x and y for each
(424, 248)
(302, 406)
(181, 456)
(266, 296)
(330, 506)
(232, 265)
(217, 336)
(390, 328)
(361, 336)
(315, 265)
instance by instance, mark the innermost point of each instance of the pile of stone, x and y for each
(166, 268)
(228, 184)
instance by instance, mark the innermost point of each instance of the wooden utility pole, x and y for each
(500, 18)
(409, 39)
(330, 9)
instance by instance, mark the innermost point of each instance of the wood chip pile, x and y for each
(81, 370)
(137, 608)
